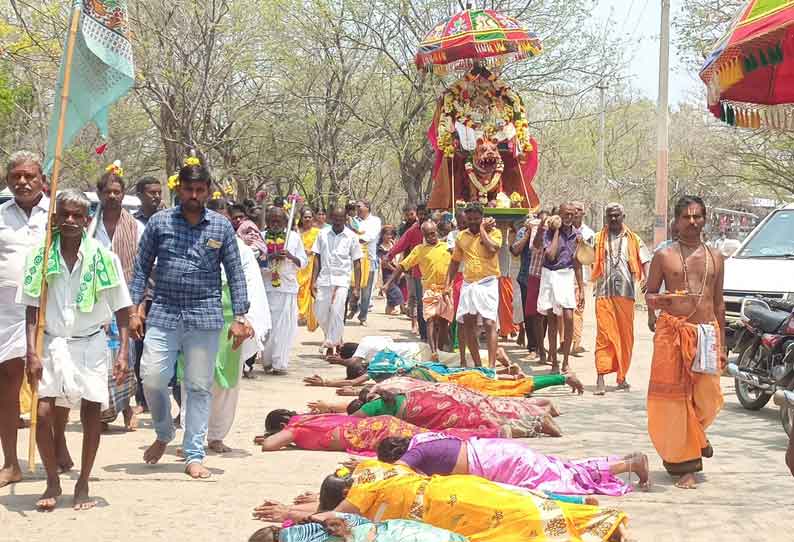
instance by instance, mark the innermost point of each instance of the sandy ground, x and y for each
(746, 492)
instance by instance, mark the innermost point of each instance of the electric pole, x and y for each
(660, 220)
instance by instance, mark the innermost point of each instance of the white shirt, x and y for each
(101, 234)
(287, 270)
(19, 234)
(337, 252)
(370, 345)
(63, 317)
(370, 228)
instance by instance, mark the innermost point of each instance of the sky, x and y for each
(641, 19)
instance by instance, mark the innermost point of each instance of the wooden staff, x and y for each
(56, 170)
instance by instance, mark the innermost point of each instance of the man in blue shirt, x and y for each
(559, 280)
(189, 243)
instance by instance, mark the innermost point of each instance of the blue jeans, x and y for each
(366, 296)
(160, 350)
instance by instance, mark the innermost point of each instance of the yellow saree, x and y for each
(475, 380)
(475, 507)
(305, 300)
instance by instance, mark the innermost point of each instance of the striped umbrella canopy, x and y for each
(749, 74)
(475, 36)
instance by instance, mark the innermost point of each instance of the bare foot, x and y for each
(10, 475)
(259, 439)
(639, 465)
(687, 481)
(549, 427)
(565, 367)
(218, 447)
(154, 452)
(575, 384)
(624, 386)
(130, 419)
(501, 356)
(553, 412)
(555, 367)
(197, 471)
(49, 499)
(601, 388)
(138, 409)
(81, 499)
(592, 501)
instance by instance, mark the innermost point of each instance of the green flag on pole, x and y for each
(102, 70)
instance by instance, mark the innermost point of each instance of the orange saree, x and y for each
(681, 404)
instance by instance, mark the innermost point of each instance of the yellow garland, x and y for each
(216, 195)
(192, 161)
(173, 181)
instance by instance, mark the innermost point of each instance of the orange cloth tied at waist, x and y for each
(681, 404)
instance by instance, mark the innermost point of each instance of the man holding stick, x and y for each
(85, 289)
(23, 221)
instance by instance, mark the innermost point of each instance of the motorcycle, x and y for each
(765, 365)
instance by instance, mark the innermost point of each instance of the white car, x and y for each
(762, 266)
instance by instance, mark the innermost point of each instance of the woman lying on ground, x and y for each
(510, 462)
(468, 505)
(339, 433)
(352, 528)
(386, 364)
(442, 406)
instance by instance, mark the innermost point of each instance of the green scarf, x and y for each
(99, 272)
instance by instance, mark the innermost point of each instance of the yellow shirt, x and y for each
(433, 262)
(479, 263)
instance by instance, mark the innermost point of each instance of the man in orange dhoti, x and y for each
(684, 397)
(621, 259)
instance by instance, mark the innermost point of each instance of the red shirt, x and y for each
(405, 244)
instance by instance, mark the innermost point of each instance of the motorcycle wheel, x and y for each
(750, 397)
(787, 419)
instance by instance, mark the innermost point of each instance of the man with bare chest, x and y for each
(684, 394)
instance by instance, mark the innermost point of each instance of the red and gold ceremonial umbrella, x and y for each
(750, 72)
(475, 36)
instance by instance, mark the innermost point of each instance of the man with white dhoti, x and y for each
(85, 289)
(337, 255)
(281, 284)
(23, 221)
(229, 362)
(477, 247)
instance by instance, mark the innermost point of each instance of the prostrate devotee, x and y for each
(86, 289)
(189, 243)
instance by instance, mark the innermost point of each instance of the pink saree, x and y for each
(338, 432)
(510, 462)
(440, 405)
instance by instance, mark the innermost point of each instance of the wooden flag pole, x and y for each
(56, 171)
